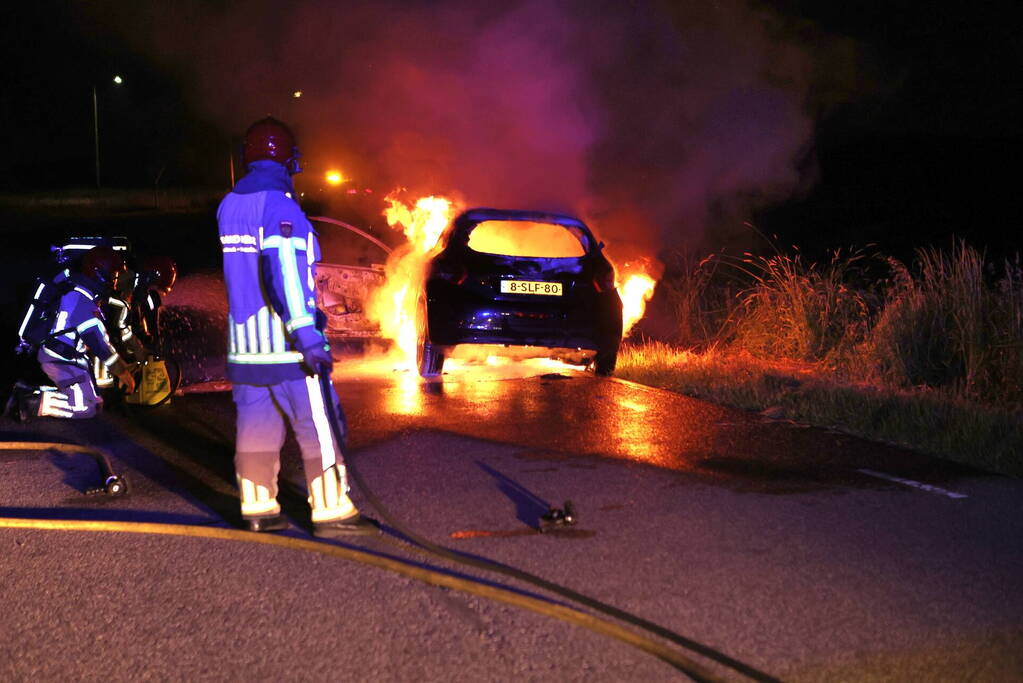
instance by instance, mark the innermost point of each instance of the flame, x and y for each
(393, 305)
(423, 223)
(335, 177)
(635, 287)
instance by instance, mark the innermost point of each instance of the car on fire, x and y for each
(519, 278)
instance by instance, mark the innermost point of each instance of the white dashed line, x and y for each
(914, 484)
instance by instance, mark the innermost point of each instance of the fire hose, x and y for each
(684, 664)
(114, 485)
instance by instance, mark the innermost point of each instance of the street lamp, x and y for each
(95, 125)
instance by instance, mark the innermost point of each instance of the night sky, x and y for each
(877, 121)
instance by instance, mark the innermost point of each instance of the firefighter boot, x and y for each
(271, 523)
(333, 512)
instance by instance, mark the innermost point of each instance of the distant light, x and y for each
(353, 191)
(335, 177)
(297, 94)
(369, 191)
(118, 80)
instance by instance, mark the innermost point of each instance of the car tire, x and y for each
(604, 363)
(430, 360)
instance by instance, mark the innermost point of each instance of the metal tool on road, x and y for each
(558, 517)
(691, 668)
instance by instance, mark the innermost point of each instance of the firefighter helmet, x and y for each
(159, 272)
(104, 265)
(270, 139)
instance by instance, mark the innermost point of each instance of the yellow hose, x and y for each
(428, 576)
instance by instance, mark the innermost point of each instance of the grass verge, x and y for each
(925, 420)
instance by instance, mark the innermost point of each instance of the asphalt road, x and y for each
(806, 554)
(763, 540)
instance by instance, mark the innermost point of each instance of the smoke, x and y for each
(658, 122)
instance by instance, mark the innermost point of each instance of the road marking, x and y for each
(915, 484)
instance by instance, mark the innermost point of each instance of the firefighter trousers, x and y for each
(76, 396)
(262, 410)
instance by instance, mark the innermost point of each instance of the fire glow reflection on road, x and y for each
(553, 409)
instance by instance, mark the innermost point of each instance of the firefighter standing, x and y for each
(275, 345)
(78, 332)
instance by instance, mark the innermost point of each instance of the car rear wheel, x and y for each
(604, 363)
(429, 358)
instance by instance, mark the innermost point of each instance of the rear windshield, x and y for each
(524, 238)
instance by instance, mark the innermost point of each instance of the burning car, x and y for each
(519, 278)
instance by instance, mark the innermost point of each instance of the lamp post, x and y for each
(95, 126)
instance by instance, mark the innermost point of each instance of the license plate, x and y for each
(530, 287)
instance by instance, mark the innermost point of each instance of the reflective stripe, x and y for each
(309, 258)
(54, 354)
(89, 324)
(24, 323)
(61, 322)
(52, 405)
(251, 336)
(255, 499)
(294, 298)
(319, 412)
(78, 399)
(264, 358)
(300, 321)
(277, 330)
(231, 344)
(110, 361)
(84, 292)
(263, 325)
(239, 338)
(316, 495)
(328, 499)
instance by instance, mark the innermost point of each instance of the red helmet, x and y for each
(104, 265)
(159, 272)
(270, 139)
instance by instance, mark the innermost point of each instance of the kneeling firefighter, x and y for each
(276, 347)
(78, 333)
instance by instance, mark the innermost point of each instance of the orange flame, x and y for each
(635, 287)
(393, 305)
(423, 223)
(335, 177)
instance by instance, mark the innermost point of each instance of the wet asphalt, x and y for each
(760, 539)
(808, 554)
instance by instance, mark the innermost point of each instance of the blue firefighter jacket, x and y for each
(270, 249)
(79, 328)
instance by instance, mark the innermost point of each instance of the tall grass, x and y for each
(794, 309)
(949, 327)
(929, 355)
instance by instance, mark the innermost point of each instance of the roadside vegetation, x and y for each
(927, 355)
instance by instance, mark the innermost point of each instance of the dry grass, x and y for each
(930, 357)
